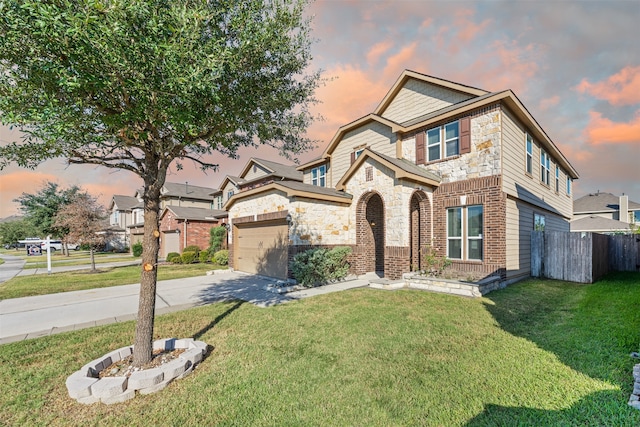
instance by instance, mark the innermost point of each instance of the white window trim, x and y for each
(568, 185)
(557, 179)
(442, 142)
(528, 149)
(464, 233)
(545, 166)
(319, 175)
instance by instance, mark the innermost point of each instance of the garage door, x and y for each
(171, 243)
(261, 248)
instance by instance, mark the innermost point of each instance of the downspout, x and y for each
(184, 235)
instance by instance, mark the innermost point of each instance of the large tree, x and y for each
(141, 85)
(41, 207)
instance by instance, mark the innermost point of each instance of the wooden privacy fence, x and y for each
(582, 257)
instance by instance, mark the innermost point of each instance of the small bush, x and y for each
(317, 266)
(137, 249)
(221, 257)
(192, 248)
(204, 257)
(434, 265)
(188, 257)
(172, 256)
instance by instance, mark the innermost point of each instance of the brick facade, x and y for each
(487, 192)
(197, 231)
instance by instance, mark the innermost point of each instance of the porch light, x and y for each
(289, 219)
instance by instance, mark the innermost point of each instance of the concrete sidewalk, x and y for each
(11, 267)
(32, 317)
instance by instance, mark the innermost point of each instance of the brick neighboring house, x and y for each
(605, 213)
(172, 195)
(186, 226)
(467, 171)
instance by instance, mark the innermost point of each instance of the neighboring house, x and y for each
(605, 213)
(256, 173)
(123, 213)
(186, 226)
(467, 171)
(171, 195)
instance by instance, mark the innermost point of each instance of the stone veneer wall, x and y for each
(479, 191)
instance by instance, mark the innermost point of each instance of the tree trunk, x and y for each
(92, 252)
(143, 341)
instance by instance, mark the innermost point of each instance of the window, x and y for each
(538, 222)
(318, 176)
(229, 194)
(635, 217)
(557, 178)
(568, 185)
(358, 152)
(474, 233)
(529, 162)
(450, 134)
(544, 167)
(454, 233)
(465, 239)
(116, 217)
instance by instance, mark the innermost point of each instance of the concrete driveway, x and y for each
(11, 267)
(32, 317)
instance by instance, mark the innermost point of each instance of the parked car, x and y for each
(56, 245)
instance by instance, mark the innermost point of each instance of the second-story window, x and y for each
(529, 155)
(318, 176)
(229, 194)
(568, 185)
(557, 178)
(443, 141)
(545, 167)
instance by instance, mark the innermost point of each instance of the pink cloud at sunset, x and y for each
(377, 50)
(622, 88)
(468, 29)
(547, 103)
(400, 61)
(601, 130)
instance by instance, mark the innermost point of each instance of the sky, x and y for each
(574, 64)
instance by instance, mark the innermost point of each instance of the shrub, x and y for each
(192, 248)
(172, 256)
(221, 257)
(137, 249)
(188, 257)
(317, 266)
(217, 235)
(204, 257)
(434, 265)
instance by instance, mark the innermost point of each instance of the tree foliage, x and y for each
(19, 229)
(40, 208)
(140, 85)
(83, 217)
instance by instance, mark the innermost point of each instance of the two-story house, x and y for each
(123, 212)
(466, 171)
(605, 213)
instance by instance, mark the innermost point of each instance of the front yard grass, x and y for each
(42, 284)
(540, 352)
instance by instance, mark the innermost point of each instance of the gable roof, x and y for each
(481, 99)
(294, 189)
(275, 169)
(191, 213)
(408, 74)
(401, 167)
(598, 224)
(186, 190)
(124, 203)
(600, 202)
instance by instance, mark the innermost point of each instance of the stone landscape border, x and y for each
(87, 388)
(634, 399)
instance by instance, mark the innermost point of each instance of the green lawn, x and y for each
(42, 284)
(537, 353)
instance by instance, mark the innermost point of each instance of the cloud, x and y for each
(378, 50)
(13, 184)
(601, 130)
(622, 88)
(468, 29)
(401, 60)
(546, 103)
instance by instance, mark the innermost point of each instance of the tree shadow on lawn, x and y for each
(595, 409)
(590, 328)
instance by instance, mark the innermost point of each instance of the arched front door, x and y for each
(419, 228)
(371, 230)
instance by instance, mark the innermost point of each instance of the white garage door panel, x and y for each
(262, 248)
(171, 243)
